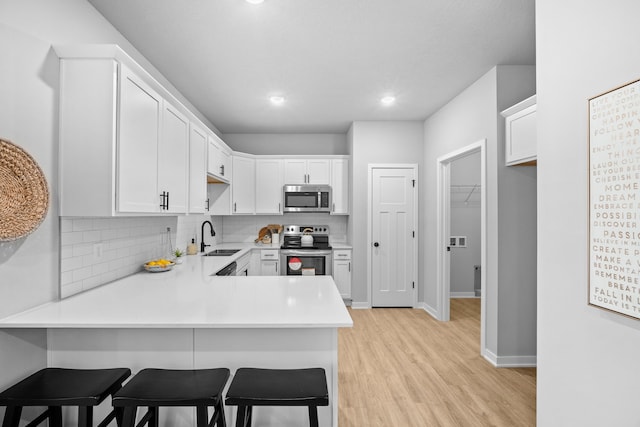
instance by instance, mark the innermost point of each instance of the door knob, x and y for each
(376, 244)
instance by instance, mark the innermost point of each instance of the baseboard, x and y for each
(360, 305)
(462, 295)
(510, 361)
(430, 310)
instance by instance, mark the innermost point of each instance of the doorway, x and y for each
(444, 241)
(392, 249)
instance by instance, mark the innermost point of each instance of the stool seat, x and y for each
(154, 388)
(277, 387)
(57, 387)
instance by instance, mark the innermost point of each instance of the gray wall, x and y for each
(303, 144)
(465, 221)
(588, 358)
(375, 142)
(510, 289)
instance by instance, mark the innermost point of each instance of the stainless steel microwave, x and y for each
(306, 198)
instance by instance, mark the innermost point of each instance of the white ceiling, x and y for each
(332, 59)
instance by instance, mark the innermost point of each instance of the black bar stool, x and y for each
(277, 387)
(58, 387)
(153, 388)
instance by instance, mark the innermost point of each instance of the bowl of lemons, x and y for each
(159, 265)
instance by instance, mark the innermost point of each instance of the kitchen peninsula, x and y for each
(188, 318)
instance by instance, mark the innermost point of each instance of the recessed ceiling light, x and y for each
(254, 1)
(277, 100)
(387, 100)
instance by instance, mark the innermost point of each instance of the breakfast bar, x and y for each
(189, 318)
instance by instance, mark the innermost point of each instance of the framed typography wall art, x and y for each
(614, 200)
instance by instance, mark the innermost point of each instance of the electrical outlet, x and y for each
(97, 250)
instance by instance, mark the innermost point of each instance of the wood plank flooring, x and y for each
(400, 367)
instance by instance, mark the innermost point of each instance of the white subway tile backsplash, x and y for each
(124, 245)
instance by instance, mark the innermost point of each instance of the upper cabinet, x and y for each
(521, 133)
(269, 182)
(340, 186)
(125, 142)
(243, 187)
(307, 171)
(219, 160)
(198, 199)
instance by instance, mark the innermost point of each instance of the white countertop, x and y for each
(190, 297)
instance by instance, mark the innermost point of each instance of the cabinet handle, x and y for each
(333, 209)
(349, 267)
(222, 170)
(207, 204)
(279, 207)
(234, 206)
(164, 200)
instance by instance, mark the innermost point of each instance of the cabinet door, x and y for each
(269, 268)
(198, 202)
(173, 160)
(340, 186)
(318, 171)
(139, 127)
(342, 277)
(214, 162)
(269, 177)
(243, 185)
(295, 171)
(521, 136)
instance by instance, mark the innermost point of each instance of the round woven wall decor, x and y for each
(24, 196)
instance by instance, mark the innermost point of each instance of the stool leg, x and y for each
(202, 417)
(313, 416)
(12, 416)
(119, 415)
(55, 417)
(129, 416)
(153, 421)
(85, 416)
(244, 416)
(219, 409)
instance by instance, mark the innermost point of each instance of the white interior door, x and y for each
(393, 252)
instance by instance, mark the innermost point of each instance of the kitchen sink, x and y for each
(222, 252)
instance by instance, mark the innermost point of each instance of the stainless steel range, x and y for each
(305, 250)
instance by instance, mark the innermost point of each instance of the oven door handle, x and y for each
(309, 252)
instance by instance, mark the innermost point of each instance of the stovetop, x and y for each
(292, 237)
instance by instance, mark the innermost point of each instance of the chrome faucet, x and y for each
(213, 233)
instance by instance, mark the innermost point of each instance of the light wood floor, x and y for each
(400, 367)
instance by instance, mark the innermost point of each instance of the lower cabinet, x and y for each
(269, 259)
(342, 271)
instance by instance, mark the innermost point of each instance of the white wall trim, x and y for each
(430, 310)
(416, 202)
(510, 361)
(360, 305)
(443, 165)
(462, 295)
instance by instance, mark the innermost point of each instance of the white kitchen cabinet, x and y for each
(307, 171)
(114, 139)
(198, 198)
(340, 186)
(269, 260)
(521, 133)
(342, 271)
(173, 159)
(243, 185)
(269, 181)
(218, 159)
(139, 136)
